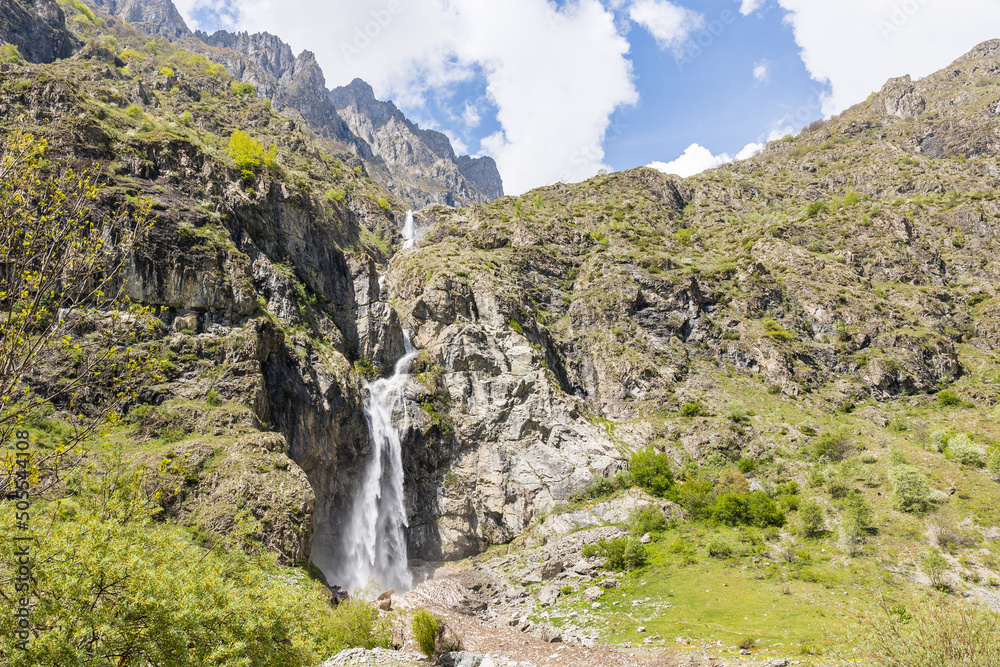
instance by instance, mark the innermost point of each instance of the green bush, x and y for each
(652, 472)
(249, 154)
(720, 548)
(242, 88)
(933, 632)
(811, 520)
(648, 520)
(949, 399)
(624, 554)
(962, 449)
(833, 446)
(213, 399)
(775, 332)
(9, 55)
(425, 630)
(752, 509)
(816, 208)
(333, 196)
(910, 492)
(187, 120)
(135, 112)
(934, 565)
(114, 582)
(692, 409)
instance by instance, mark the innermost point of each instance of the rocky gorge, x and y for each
(839, 282)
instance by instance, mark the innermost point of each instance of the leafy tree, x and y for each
(909, 489)
(62, 263)
(811, 519)
(934, 566)
(651, 471)
(249, 154)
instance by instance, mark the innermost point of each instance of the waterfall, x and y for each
(374, 544)
(409, 231)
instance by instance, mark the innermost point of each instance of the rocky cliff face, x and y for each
(855, 263)
(424, 165)
(155, 17)
(418, 166)
(37, 28)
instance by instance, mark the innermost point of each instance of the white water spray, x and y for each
(375, 537)
(409, 231)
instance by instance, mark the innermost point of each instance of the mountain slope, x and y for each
(429, 173)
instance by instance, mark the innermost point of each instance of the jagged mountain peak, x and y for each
(418, 166)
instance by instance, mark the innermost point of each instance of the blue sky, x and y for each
(555, 91)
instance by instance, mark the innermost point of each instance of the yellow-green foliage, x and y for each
(195, 63)
(9, 55)
(425, 629)
(240, 88)
(132, 54)
(249, 153)
(82, 9)
(384, 203)
(108, 581)
(775, 331)
(166, 71)
(335, 196)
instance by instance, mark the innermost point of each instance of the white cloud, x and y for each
(555, 76)
(762, 71)
(670, 24)
(696, 159)
(856, 45)
(748, 7)
(471, 116)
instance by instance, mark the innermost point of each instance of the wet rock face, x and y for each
(37, 28)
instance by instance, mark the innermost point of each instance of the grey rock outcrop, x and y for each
(424, 166)
(37, 28)
(155, 17)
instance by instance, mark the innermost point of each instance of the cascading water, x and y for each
(374, 542)
(409, 231)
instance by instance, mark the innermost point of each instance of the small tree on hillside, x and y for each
(61, 265)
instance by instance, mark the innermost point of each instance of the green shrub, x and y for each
(187, 120)
(832, 446)
(9, 55)
(695, 496)
(720, 548)
(934, 565)
(648, 520)
(851, 198)
(756, 509)
(652, 472)
(691, 409)
(910, 492)
(135, 112)
(993, 462)
(384, 203)
(811, 521)
(962, 449)
(425, 630)
(213, 399)
(624, 554)
(949, 399)
(816, 208)
(113, 582)
(242, 88)
(249, 154)
(746, 465)
(775, 332)
(933, 632)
